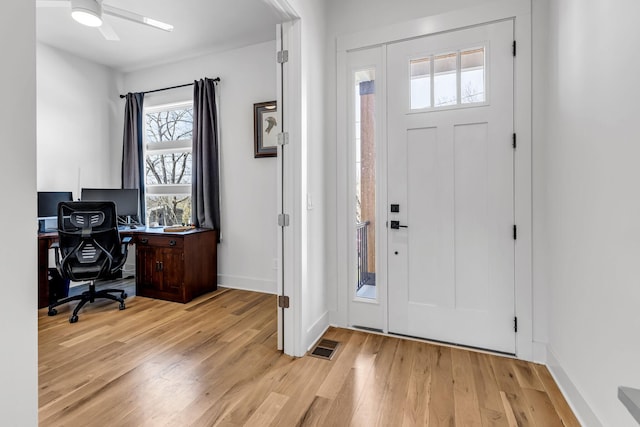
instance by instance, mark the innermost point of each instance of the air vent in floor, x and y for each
(325, 349)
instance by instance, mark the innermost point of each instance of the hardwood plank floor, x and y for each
(213, 362)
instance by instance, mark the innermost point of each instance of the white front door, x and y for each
(451, 178)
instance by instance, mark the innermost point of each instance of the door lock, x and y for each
(395, 225)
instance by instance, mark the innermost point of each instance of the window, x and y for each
(365, 149)
(167, 158)
(448, 79)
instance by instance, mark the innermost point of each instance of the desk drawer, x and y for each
(161, 241)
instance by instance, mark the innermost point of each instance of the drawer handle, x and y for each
(144, 241)
(172, 242)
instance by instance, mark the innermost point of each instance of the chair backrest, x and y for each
(89, 241)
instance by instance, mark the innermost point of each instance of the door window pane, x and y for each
(472, 76)
(445, 89)
(420, 83)
(448, 79)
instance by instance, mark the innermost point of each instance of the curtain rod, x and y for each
(217, 79)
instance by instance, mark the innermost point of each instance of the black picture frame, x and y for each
(266, 129)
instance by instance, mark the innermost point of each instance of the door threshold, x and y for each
(430, 341)
(453, 344)
(366, 328)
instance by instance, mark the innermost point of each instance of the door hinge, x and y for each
(514, 48)
(515, 324)
(283, 56)
(515, 232)
(283, 301)
(283, 220)
(283, 138)
(514, 141)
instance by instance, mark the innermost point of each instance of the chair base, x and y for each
(88, 296)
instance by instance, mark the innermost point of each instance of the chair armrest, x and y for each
(56, 246)
(124, 247)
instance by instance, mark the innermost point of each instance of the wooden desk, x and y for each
(45, 240)
(175, 266)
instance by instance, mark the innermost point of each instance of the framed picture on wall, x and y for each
(266, 129)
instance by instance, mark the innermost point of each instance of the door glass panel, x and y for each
(472, 76)
(445, 80)
(448, 79)
(364, 132)
(420, 83)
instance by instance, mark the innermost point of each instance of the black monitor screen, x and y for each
(126, 199)
(48, 202)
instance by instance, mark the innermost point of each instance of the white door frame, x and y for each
(520, 11)
(289, 101)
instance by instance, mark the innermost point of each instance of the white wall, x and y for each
(591, 202)
(79, 123)
(18, 258)
(247, 185)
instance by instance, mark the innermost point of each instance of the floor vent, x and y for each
(325, 349)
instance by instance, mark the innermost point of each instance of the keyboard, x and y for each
(128, 227)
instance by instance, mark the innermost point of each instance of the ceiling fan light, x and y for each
(87, 12)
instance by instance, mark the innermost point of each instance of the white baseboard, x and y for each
(540, 352)
(248, 283)
(316, 330)
(580, 407)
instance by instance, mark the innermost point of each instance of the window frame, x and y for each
(184, 145)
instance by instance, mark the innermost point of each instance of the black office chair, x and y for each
(89, 248)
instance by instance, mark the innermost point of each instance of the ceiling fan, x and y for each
(89, 13)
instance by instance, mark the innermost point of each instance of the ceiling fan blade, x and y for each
(134, 17)
(108, 32)
(53, 3)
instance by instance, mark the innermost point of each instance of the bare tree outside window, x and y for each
(168, 134)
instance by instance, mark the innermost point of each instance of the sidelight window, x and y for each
(365, 149)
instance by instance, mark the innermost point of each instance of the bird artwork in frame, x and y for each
(266, 129)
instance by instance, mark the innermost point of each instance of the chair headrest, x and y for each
(86, 219)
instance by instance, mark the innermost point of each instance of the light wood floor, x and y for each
(213, 362)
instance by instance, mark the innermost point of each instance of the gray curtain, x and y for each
(205, 195)
(132, 155)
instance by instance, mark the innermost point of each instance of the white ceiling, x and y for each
(200, 26)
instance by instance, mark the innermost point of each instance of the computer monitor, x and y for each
(48, 209)
(126, 200)
(48, 202)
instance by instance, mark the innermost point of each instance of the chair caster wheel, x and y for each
(73, 319)
(52, 312)
(122, 307)
(124, 295)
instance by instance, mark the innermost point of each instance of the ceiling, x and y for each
(200, 26)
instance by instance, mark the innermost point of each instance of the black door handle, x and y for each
(395, 225)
